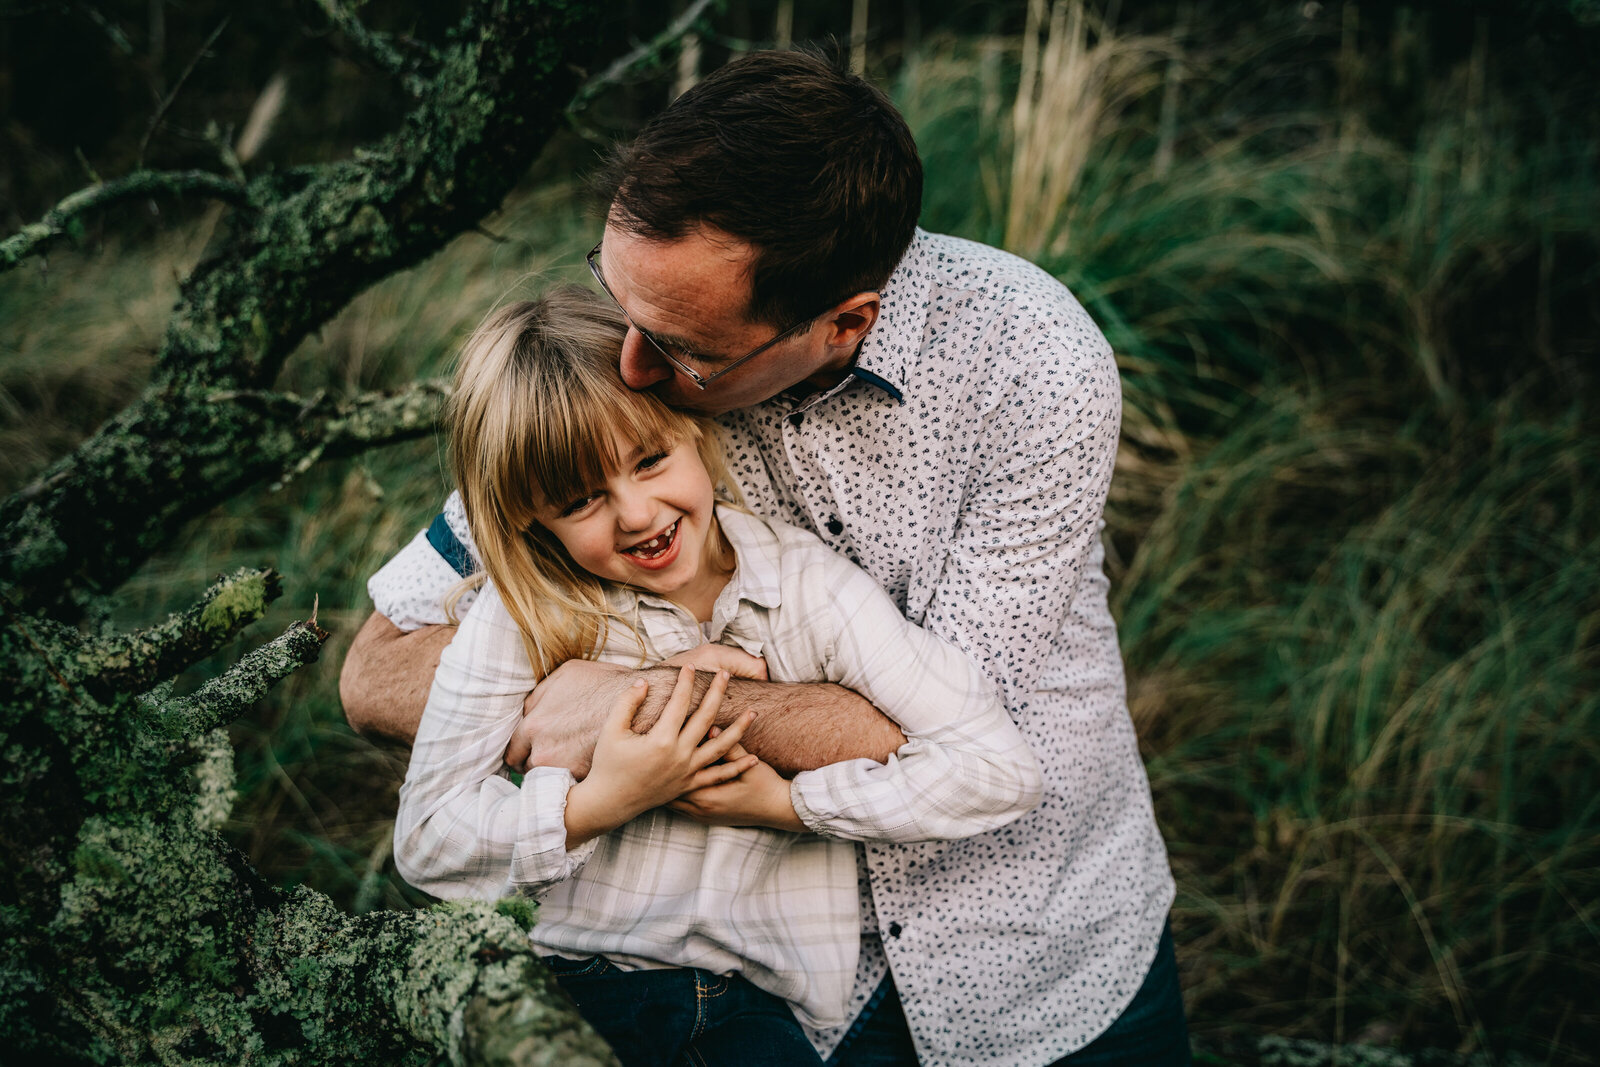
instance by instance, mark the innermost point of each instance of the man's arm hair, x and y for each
(388, 672)
(803, 727)
(797, 727)
(386, 677)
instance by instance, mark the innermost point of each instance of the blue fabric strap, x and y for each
(447, 544)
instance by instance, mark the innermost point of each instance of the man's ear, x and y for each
(849, 321)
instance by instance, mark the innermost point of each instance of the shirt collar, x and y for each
(885, 357)
(758, 569)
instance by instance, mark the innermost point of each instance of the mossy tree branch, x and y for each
(129, 931)
(315, 237)
(326, 233)
(63, 219)
(225, 698)
(643, 56)
(177, 453)
(406, 62)
(133, 662)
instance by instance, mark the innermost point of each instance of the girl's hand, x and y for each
(757, 797)
(633, 773)
(712, 657)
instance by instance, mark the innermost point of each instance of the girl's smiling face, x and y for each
(650, 524)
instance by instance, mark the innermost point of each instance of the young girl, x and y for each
(594, 515)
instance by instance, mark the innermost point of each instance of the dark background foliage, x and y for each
(1348, 256)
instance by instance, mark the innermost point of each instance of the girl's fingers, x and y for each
(724, 744)
(620, 721)
(721, 773)
(672, 716)
(706, 714)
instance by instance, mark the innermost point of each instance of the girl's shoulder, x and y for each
(747, 531)
(767, 545)
(792, 562)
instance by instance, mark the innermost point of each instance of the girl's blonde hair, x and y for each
(538, 406)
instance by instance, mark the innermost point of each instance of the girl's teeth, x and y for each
(656, 543)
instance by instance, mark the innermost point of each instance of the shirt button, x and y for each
(796, 419)
(835, 527)
(894, 929)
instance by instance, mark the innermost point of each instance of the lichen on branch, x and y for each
(129, 930)
(134, 661)
(225, 698)
(314, 237)
(61, 220)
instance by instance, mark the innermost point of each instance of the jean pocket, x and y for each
(588, 966)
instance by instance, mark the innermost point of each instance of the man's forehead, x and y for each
(697, 283)
(704, 246)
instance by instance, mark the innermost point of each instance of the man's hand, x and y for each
(757, 797)
(561, 718)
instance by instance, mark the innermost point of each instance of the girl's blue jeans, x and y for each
(683, 1017)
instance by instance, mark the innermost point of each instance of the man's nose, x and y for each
(641, 365)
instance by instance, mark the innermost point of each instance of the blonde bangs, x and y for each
(585, 423)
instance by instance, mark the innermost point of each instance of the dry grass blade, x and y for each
(1068, 87)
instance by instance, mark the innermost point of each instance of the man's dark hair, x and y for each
(809, 163)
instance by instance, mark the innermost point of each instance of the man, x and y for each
(946, 415)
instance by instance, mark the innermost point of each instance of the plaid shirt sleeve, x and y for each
(463, 829)
(965, 767)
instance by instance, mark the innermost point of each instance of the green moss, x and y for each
(519, 910)
(131, 932)
(234, 603)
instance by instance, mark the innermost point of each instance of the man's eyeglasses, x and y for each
(701, 380)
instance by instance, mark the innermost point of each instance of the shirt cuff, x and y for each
(816, 821)
(410, 589)
(540, 858)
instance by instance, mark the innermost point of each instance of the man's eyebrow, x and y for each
(685, 344)
(675, 341)
(687, 347)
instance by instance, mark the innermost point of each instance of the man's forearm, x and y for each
(386, 677)
(797, 727)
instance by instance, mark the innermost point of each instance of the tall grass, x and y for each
(1354, 526)
(1353, 532)
(1065, 85)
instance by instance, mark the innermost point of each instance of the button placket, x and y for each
(810, 481)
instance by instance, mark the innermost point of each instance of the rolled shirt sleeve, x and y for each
(410, 589)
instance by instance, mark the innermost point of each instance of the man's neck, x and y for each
(824, 379)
